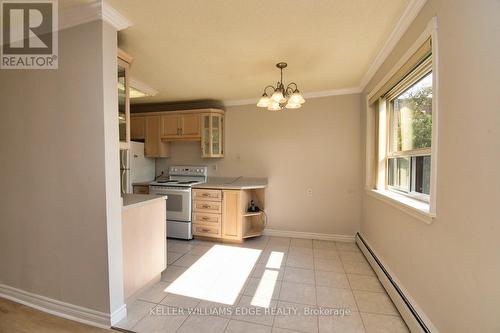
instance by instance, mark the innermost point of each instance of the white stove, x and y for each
(178, 189)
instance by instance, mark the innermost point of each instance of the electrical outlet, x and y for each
(309, 192)
(214, 167)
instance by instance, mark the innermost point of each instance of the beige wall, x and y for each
(451, 267)
(60, 186)
(318, 147)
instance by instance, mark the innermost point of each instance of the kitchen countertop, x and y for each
(234, 183)
(143, 183)
(134, 200)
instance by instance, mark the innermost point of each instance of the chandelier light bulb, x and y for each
(297, 98)
(264, 101)
(274, 106)
(291, 105)
(278, 96)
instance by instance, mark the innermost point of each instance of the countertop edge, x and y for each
(228, 186)
(145, 201)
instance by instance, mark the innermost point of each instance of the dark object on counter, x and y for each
(253, 208)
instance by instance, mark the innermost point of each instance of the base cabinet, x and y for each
(144, 242)
(140, 189)
(222, 214)
(231, 214)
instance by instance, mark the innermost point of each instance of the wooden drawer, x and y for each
(141, 189)
(208, 195)
(201, 206)
(206, 230)
(212, 219)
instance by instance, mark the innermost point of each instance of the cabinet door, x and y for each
(190, 125)
(153, 146)
(217, 136)
(206, 137)
(231, 214)
(170, 126)
(137, 128)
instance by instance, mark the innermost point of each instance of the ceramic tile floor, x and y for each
(310, 284)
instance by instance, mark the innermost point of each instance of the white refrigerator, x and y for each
(135, 167)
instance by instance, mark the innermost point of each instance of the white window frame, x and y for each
(410, 154)
(376, 145)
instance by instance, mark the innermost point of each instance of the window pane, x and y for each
(422, 174)
(411, 117)
(399, 171)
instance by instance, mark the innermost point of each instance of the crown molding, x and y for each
(315, 94)
(114, 18)
(93, 11)
(411, 11)
(142, 87)
(334, 92)
(241, 102)
(409, 14)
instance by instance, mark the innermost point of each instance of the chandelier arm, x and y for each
(269, 86)
(292, 83)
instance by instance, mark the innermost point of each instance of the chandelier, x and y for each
(281, 98)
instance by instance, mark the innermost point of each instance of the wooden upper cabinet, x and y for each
(159, 129)
(180, 126)
(153, 146)
(190, 125)
(137, 128)
(170, 126)
(212, 135)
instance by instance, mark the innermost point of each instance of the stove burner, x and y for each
(188, 182)
(166, 181)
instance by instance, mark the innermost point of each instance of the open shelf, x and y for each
(253, 233)
(253, 222)
(248, 214)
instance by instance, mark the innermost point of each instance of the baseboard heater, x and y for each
(409, 311)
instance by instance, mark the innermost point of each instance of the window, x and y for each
(401, 131)
(409, 109)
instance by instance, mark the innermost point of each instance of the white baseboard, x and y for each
(62, 309)
(412, 314)
(308, 235)
(118, 315)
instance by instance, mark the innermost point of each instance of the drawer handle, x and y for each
(205, 218)
(205, 206)
(206, 194)
(205, 230)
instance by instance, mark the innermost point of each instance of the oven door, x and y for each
(178, 203)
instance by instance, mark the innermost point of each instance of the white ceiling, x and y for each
(227, 50)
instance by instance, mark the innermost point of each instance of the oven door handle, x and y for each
(173, 191)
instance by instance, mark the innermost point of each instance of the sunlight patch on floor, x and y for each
(267, 284)
(265, 290)
(218, 276)
(275, 260)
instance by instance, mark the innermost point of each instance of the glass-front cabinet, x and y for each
(123, 99)
(212, 136)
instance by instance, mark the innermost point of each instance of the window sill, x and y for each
(413, 207)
